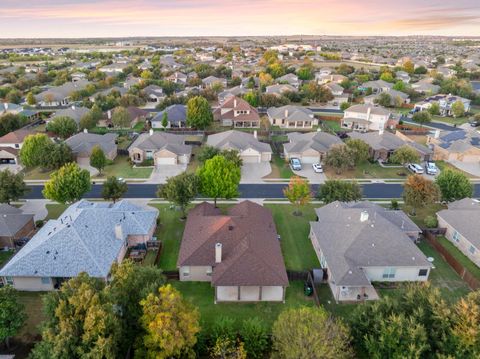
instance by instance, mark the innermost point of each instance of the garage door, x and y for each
(251, 159)
(310, 159)
(165, 161)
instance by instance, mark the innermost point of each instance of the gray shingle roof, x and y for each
(12, 220)
(83, 143)
(81, 240)
(319, 141)
(162, 140)
(237, 140)
(290, 113)
(175, 113)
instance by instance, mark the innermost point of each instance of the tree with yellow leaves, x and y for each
(298, 193)
(466, 328)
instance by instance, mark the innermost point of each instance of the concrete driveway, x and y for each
(254, 172)
(308, 172)
(37, 207)
(12, 168)
(84, 163)
(162, 172)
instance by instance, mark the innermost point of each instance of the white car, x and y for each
(415, 168)
(431, 168)
(317, 168)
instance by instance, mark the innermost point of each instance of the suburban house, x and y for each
(366, 118)
(396, 98)
(377, 86)
(238, 113)
(279, 90)
(176, 117)
(383, 144)
(113, 69)
(426, 86)
(310, 147)
(250, 149)
(60, 95)
(210, 81)
(362, 242)
(154, 93)
(83, 143)
(462, 221)
(178, 78)
(14, 224)
(238, 252)
(11, 108)
(88, 237)
(161, 147)
(231, 92)
(16, 138)
(326, 78)
(403, 76)
(135, 116)
(290, 116)
(290, 79)
(445, 103)
(75, 113)
(461, 145)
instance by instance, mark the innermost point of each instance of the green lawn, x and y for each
(451, 120)
(443, 276)
(170, 232)
(122, 168)
(280, 168)
(123, 142)
(201, 294)
(422, 213)
(33, 308)
(55, 210)
(297, 249)
(149, 259)
(369, 170)
(4, 257)
(442, 165)
(459, 256)
(342, 310)
(332, 125)
(37, 174)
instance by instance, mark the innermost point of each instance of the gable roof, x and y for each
(83, 143)
(160, 141)
(237, 140)
(291, 113)
(251, 253)
(12, 220)
(17, 136)
(387, 141)
(75, 113)
(83, 239)
(319, 141)
(175, 113)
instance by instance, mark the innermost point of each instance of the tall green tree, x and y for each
(434, 109)
(59, 154)
(165, 119)
(31, 99)
(422, 117)
(255, 337)
(405, 154)
(34, 148)
(298, 193)
(180, 190)
(337, 190)
(458, 109)
(98, 159)
(199, 113)
(219, 178)
(113, 189)
(68, 184)
(310, 333)
(359, 150)
(12, 314)
(121, 118)
(12, 186)
(454, 185)
(63, 126)
(10, 122)
(419, 192)
(170, 323)
(340, 158)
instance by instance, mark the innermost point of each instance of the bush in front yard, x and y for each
(431, 222)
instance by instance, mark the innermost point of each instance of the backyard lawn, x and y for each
(367, 170)
(4, 257)
(201, 295)
(331, 125)
(297, 249)
(121, 167)
(280, 168)
(34, 310)
(55, 210)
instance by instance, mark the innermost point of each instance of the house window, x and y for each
(209, 271)
(45, 280)
(471, 249)
(455, 237)
(17, 145)
(186, 271)
(323, 262)
(283, 122)
(389, 273)
(149, 155)
(9, 280)
(422, 272)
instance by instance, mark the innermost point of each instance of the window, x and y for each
(422, 272)
(323, 262)
(186, 271)
(471, 249)
(209, 271)
(17, 145)
(389, 273)
(149, 155)
(45, 280)
(455, 237)
(9, 280)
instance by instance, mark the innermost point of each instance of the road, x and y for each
(267, 191)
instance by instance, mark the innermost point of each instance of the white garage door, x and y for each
(310, 159)
(251, 159)
(166, 160)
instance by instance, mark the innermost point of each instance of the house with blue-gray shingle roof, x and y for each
(88, 237)
(460, 145)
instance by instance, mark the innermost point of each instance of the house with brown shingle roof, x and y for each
(238, 252)
(237, 112)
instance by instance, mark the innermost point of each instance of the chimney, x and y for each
(369, 109)
(85, 130)
(218, 253)
(118, 231)
(286, 113)
(255, 133)
(364, 216)
(437, 134)
(151, 131)
(234, 102)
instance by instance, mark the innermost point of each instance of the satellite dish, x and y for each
(430, 259)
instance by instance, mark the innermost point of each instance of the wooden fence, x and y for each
(463, 272)
(307, 277)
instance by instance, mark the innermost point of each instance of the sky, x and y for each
(122, 18)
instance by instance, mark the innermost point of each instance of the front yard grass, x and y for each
(55, 210)
(280, 168)
(459, 256)
(367, 170)
(451, 120)
(37, 174)
(202, 294)
(297, 249)
(121, 167)
(422, 213)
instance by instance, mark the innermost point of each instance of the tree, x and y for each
(170, 323)
(219, 178)
(31, 99)
(87, 121)
(165, 119)
(384, 99)
(255, 337)
(359, 150)
(409, 66)
(59, 154)
(344, 106)
(434, 109)
(422, 117)
(199, 113)
(63, 126)
(232, 156)
(226, 348)
(113, 189)
(305, 73)
(180, 190)
(310, 333)
(252, 98)
(10, 122)
(458, 109)
(454, 185)
(98, 159)
(12, 314)
(419, 192)
(316, 92)
(400, 86)
(387, 76)
(121, 118)
(298, 193)
(207, 152)
(466, 326)
(337, 190)
(68, 184)
(405, 154)
(34, 148)
(340, 158)
(12, 186)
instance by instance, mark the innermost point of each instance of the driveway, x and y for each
(312, 176)
(84, 163)
(36, 207)
(254, 172)
(470, 167)
(162, 172)
(13, 168)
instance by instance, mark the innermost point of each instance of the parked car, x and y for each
(474, 123)
(317, 168)
(295, 164)
(431, 168)
(415, 168)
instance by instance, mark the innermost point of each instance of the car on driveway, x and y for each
(431, 168)
(415, 168)
(474, 122)
(317, 168)
(295, 164)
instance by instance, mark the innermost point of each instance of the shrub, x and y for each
(394, 204)
(224, 327)
(39, 223)
(255, 337)
(431, 222)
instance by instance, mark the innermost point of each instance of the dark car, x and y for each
(474, 123)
